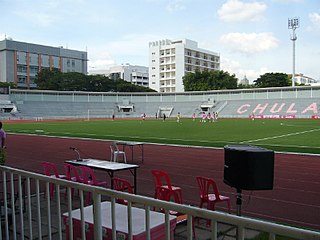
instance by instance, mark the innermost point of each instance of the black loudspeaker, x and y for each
(248, 167)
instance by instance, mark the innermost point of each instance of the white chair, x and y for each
(115, 152)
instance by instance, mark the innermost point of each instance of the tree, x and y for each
(73, 81)
(8, 84)
(45, 79)
(209, 80)
(272, 80)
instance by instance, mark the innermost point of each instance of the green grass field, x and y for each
(301, 135)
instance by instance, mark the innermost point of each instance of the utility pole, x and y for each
(293, 24)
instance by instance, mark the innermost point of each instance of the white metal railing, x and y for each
(21, 189)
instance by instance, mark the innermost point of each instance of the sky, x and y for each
(251, 36)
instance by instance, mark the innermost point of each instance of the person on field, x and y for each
(193, 117)
(209, 117)
(204, 117)
(178, 117)
(164, 117)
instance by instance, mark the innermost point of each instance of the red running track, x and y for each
(294, 200)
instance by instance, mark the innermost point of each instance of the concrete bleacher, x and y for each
(299, 108)
(57, 110)
(300, 102)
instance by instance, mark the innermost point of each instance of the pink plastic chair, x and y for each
(122, 185)
(51, 170)
(72, 174)
(90, 178)
(161, 179)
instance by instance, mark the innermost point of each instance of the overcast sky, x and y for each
(251, 36)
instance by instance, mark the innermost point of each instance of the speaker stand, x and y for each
(239, 202)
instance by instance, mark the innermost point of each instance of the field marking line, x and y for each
(280, 136)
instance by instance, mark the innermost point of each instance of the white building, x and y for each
(170, 60)
(134, 74)
(301, 79)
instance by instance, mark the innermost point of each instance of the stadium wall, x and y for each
(236, 103)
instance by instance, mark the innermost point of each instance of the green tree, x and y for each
(209, 80)
(73, 81)
(272, 80)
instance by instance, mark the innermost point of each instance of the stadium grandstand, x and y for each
(285, 102)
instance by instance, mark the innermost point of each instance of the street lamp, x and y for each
(293, 23)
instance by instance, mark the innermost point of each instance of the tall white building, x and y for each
(170, 60)
(135, 74)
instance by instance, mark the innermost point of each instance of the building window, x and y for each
(68, 62)
(22, 68)
(32, 80)
(33, 69)
(22, 79)
(73, 63)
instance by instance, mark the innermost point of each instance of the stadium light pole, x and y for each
(293, 23)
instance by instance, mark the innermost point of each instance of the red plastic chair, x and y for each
(161, 179)
(122, 186)
(72, 174)
(169, 195)
(89, 177)
(51, 170)
(209, 193)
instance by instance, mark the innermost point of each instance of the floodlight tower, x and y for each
(293, 23)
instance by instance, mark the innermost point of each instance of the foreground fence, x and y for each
(28, 212)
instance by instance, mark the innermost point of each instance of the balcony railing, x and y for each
(26, 212)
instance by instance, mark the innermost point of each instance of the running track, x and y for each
(294, 200)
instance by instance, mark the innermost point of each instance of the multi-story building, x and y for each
(134, 74)
(20, 61)
(170, 60)
(302, 79)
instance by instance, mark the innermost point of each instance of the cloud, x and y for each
(100, 58)
(249, 43)
(237, 11)
(132, 46)
(288, 1)
(234, 67)
(175, 5)
(315, 19)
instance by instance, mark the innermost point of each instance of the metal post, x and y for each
(239, 202)
(293, 24)
(293, 38)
